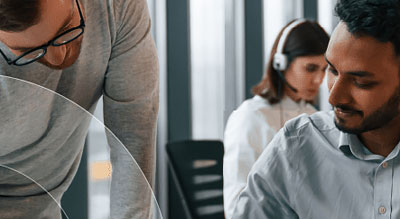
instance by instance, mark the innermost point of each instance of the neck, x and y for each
(291, 94)
(382, 141)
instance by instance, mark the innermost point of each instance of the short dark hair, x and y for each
(379, 19)
(18, 15)
(306, 39)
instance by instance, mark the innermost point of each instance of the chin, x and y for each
(345, 128)
(71, 56)
(349, 126)
(309, 98)
(64, 65)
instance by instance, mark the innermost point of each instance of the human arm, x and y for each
(269, 189)
(131, 92)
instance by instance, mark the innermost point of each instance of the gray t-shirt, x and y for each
(42, 135)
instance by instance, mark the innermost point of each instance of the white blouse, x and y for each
(249, 130)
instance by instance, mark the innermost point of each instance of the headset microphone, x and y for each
(285, 81)
(280, 60)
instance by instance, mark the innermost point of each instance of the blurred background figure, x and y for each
(294, 73)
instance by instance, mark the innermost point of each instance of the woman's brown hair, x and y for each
(306, 39)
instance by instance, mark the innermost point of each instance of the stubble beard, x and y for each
(377, 119)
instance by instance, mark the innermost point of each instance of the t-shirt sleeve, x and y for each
(131, 97)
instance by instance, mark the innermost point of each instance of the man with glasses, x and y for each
(81, 49)
(27, 55)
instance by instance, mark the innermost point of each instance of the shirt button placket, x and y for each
(383, 182)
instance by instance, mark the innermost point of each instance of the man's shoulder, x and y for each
(302, 134)
(116, 9)
(120, 6)
(321, 121)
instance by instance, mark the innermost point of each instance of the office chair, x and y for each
(196, 169)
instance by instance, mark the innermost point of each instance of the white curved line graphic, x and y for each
(107, 129)
(21, 173)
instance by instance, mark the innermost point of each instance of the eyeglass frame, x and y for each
(50, 43)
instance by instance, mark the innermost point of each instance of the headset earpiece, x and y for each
(280, 60)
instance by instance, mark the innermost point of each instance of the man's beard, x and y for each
(377, 119)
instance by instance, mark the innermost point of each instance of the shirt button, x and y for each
(382, 210)
(385, 164)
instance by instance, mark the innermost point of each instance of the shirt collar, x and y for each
(349, 143)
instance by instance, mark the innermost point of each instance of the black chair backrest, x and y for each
(196, 167)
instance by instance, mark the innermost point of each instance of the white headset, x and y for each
(280, 60)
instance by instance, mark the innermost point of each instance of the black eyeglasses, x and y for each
(37, 53)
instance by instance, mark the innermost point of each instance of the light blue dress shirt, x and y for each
(312, 170)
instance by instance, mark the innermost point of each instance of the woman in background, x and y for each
(294, 73)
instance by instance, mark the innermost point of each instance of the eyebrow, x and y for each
(354, 73)
(60, 30)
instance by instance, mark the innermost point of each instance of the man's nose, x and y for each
(339, 92)
(55, 55)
